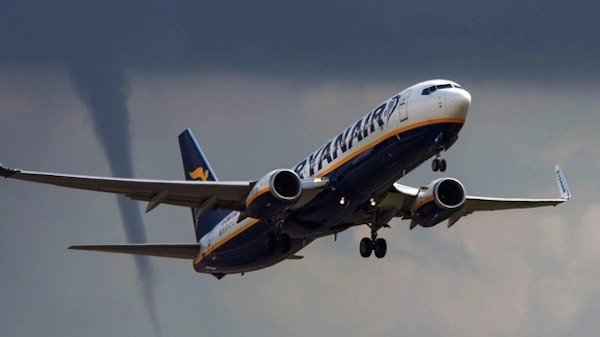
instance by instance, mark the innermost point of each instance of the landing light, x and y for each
(342, 200)
(372, 201)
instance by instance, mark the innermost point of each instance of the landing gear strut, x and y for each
(285, 243)
(441, 143)
(282, 242)
(278, 240)
(438, 164)
(373, 244)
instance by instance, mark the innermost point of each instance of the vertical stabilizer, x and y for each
(196, 167)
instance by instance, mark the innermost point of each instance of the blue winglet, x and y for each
(563, 188)
(6, 172)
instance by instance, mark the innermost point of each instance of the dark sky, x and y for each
(339, 38)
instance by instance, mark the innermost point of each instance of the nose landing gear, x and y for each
(441, 143)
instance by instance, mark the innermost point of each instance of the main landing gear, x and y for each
(283, 243)
(438, 164)
(373, 244)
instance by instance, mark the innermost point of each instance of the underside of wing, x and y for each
(475, 204)
(436, 202)
(176, 251)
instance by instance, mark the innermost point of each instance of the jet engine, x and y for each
(437, 202)
(273, 194)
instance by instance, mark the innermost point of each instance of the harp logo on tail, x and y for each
(200, 173)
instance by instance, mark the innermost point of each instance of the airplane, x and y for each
(351, 180)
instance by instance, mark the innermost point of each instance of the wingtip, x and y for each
(563, 187)
(6, 172)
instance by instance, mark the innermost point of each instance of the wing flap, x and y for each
(475, 204)
(176, 251)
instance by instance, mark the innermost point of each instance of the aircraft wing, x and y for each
(402, 197)
(475, 204)
(199, 194)
(176, 251)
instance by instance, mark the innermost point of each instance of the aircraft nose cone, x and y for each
(458, 102)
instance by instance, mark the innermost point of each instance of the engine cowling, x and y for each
(437, 202)
(274, 193)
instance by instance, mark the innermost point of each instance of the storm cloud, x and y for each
(101, 85)
(342, 39)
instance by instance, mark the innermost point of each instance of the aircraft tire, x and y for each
(443, 165)
(270, 243)
(285, 243)
(435, 165)
(366, 247)
(380, 248)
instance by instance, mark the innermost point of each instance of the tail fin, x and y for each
(196, 167)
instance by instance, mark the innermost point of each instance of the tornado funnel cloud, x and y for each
(101, 85)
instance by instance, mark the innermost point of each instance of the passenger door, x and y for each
(403, 105)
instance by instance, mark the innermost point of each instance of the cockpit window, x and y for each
(428, 91)
(432, 89)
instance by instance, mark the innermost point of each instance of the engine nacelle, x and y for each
(437, 202)
(274, 193)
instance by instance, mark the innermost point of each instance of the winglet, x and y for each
(563, 188)
(6, 172)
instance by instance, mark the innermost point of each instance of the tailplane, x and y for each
(196, 167)
(175, 251)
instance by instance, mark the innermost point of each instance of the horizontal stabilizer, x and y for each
(176, 251)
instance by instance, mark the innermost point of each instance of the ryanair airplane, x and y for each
(350, 181)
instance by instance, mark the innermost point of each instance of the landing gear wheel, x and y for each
(366, 247)
(442, 165)
(439, 164)
(270, 243)
(285, 243)
(380, 248)
(435, 165)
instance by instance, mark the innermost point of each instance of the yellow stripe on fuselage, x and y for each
(210, 249)
(385, 137)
